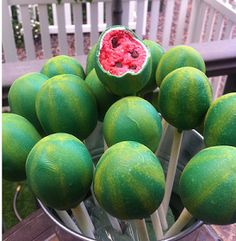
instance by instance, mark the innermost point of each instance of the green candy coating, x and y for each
(184, 98)
(66, 104)
(103, 97)
(90, 61)
(59, 171)
(208, 185)
(18, 138)
(156, 53)
(22, 95)
(62, 64)
(129, 181)
(176, 57)
(133, 119)
(130, 82)
(220, 122)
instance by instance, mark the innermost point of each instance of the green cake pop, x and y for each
(103, 97)
(177, 57)
(184, 98)
(22, 95)
(207, 188)
(156, 53)
(90, 61)
(18, 138)
(129, 181)
(208, 185)
(133, 119)
(59, 171)
(62, 64)
(220, 122)
(66, 104)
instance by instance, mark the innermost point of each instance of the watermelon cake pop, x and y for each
(103, 97)
(62, 64)
(59, 171)
(156, 53)
(22, 100)
(133, 119)
(66, 104)
(177, 57)
(123, 62)
(18, 138)
(184, 98)
(90, 61)
(129, 181)
(208, 185)
(220, 122)
(207, 188)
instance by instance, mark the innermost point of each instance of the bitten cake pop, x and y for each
(59, 171)
(103, 97)
(184, 98)
(129, 181)
(132, 119)
(22, 95)
(62, 64)
(18, 138)
(66, 104)
(177, 57)
(220, 122)
(123, 62)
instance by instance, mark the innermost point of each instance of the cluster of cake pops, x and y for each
(58, 108)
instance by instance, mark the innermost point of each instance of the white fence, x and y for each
(169, 22)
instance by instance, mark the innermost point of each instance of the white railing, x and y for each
(192, 21)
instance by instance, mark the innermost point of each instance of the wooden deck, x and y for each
(38, 227)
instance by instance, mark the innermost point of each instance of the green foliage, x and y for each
(18, 28)
(26, 203)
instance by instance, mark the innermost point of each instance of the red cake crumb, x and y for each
(121, 53)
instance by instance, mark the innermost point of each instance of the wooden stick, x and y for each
(114, 223)
(156, 223)
(67, 220)
(180, 223)
(165, 131)
(141, 229)
(175, 150)
(160, 210)
(82, 218)
(162, 217)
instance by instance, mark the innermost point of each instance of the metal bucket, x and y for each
(191, 144)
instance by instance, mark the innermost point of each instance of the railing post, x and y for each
(117, 12)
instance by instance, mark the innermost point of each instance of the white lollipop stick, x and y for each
(67, 220)
(162, 217)
(160, 210)
(175, 149)
(141, 229)
(156, 223)
(114, 223)
(82, 218)
(180, 223)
